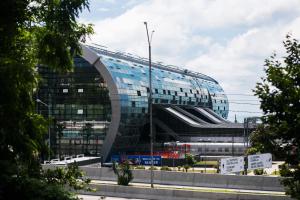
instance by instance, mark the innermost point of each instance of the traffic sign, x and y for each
(259, 161)
(231, 165)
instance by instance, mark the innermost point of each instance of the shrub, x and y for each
(165, 168)
(123, 172)
(186, 167)
(179, 168)
(154, 168)
(258, 171)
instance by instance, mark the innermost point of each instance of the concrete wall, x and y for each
(193, 179)
(171, 194)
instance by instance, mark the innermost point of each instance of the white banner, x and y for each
(231, 165)
(259, 161)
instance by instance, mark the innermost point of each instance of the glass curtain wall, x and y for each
(80, 107)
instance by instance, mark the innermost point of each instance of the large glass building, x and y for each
(101, 108)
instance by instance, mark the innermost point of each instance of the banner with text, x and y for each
(259, 161)
(231, 165)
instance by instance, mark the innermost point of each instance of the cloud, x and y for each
(103, 9)
(227, 40)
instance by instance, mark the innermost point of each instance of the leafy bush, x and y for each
(165, 168)
(190, 160)
(186, 167)
(258, 171)
(123, 172)
(154, 168)
(179, 168)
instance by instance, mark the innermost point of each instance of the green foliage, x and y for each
(279, 93)
(32, 32)
(123, 172)
(153, 168)
(49, 186)
(186, 167)
(70, 176)
(165, 168)
(258, 171)
(190, 160)
(179, 168)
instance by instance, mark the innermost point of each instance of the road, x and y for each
(194, 188)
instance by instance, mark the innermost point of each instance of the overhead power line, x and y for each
(252, 95)
(245, 111)
(244, 100)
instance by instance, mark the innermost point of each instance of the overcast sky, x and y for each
(225, 39)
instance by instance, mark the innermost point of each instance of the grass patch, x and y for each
(209, 162)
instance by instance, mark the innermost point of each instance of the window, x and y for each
(224, 107)
(148, 90)
(164, 91)
(181, 90)
(175, 93)
(221, 101)
(80, 111)
(218, 108)
(80, 90)
(143, 110)
(186, 94)
(226, 149)
(219, 149)
(138, 93)
(197, 91)
(195, 95)
(169, 92)
(65, 90)
(133, 104)
(191, 91)
(156, 91)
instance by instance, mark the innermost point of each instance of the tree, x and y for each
(58, 129)
(279, 93)
(44, 32)
(190, 160)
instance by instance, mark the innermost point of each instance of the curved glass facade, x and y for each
(168, 87)
(171, 86)
(103, 104)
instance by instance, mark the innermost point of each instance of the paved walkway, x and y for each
(95, 197)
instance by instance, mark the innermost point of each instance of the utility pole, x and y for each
(150, 101)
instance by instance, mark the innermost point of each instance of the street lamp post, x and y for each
(40, 101)
(150, 101)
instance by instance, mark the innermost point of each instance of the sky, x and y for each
(228, 40)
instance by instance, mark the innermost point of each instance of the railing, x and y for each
(137, 59)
